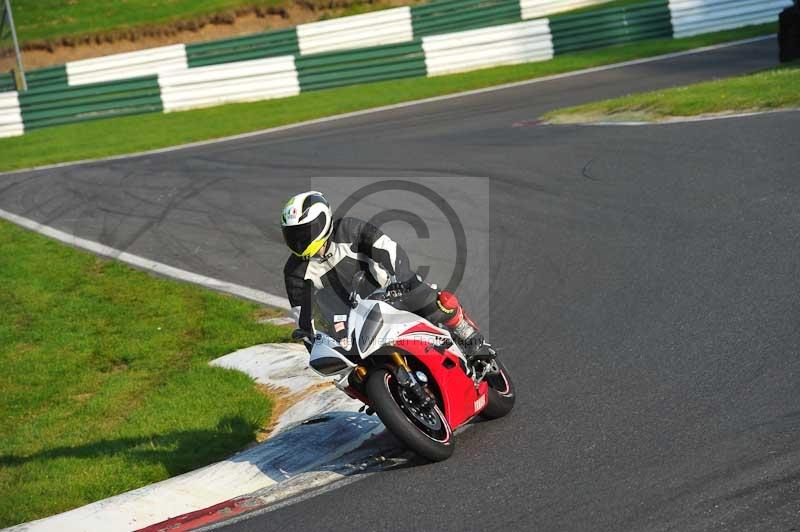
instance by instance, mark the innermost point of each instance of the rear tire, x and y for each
(501, 394)
(382, 390)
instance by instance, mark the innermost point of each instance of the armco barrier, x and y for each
(55, 76)
(542, 8)
(431, 39)
(243, 81)
(351, 67)
(257, 46)
(50, 106)
(692, 17)
(39, 77)
(370, 29)
(10, 116)
(458, 15)
(573, 32)
(127, 65)
(498, 45)
(7, 82)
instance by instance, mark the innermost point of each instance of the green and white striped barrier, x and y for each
(693, 17)
(428, 40)
(128, 65)
(448, 16)
(53, 105)
(257, 46)
(10, 115)
(363, 65)
(508, 44)
(259, 79)
(542, 8)
(7, 82)
(360, 31)
(583, 31)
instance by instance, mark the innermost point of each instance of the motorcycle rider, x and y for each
(327, 253)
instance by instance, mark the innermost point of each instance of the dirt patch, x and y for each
(97, 267)
(218, 26)
(263, 314)
(282, 400)
(82, 397)
(593, 117)
(643, 118)
(25, 347)
(119, 367)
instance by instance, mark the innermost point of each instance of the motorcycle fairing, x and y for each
(461, 399)
(326, 359)
(384, 325)
(393, 323)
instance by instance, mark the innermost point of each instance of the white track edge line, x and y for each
(400, 105)
(146, 264)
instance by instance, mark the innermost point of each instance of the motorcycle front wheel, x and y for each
(426, 432)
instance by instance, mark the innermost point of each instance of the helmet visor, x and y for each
(300, 237)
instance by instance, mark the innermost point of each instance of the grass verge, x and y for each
(145, 132)
(105, 380)
(764, 91)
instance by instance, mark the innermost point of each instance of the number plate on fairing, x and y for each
(480, 402)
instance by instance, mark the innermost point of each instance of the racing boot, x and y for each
(463, 329)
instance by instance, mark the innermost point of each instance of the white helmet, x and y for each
(307, 223)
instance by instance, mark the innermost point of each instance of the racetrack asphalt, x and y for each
(646, 287)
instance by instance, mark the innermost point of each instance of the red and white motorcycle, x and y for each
(405, 369)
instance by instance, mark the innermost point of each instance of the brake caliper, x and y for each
(414, 388)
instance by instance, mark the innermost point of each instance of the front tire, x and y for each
(501, 394)
(433, 441)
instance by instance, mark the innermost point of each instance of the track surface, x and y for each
(646, 287)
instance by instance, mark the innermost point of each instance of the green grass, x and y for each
(772, 89)
(144, 132)
(104, 377)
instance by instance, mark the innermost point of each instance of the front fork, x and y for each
(407, 380)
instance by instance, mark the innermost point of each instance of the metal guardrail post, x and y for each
(20, 70)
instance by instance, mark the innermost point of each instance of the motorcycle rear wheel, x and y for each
(501, 395)
(426, 433)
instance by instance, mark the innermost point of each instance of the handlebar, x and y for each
(300, 334)
(358, 280)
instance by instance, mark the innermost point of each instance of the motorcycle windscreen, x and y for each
(330, 313)
(369, 330)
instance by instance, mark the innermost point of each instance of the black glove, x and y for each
(300, 334)
(395, 289)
